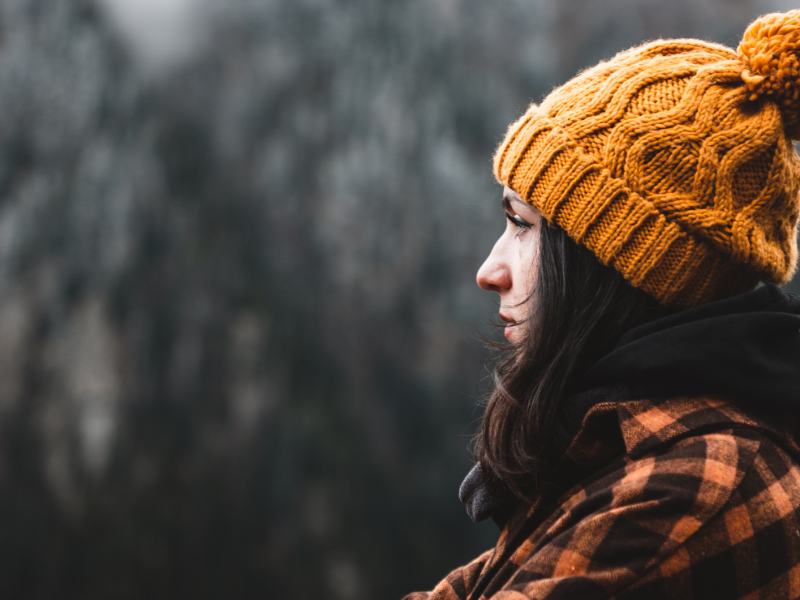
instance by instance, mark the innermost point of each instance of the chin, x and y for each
(513, 334)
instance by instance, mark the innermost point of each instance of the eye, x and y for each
(518, 222)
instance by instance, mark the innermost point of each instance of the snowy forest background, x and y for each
(239, 330)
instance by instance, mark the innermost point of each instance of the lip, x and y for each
(510, 324)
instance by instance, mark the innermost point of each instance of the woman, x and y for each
(638, 443)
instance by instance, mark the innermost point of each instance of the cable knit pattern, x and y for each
(673, 162)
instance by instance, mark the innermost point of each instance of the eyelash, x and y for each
(518, 222)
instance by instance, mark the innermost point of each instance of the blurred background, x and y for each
(240, 347)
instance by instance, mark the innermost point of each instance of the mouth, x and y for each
(510, 325)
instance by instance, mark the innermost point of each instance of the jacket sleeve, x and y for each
(458, 584)
(629, 527)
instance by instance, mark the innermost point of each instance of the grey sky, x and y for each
(160, 32)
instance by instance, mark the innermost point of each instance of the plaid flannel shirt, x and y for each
(686, 498)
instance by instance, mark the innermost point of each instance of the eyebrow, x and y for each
(507, 200)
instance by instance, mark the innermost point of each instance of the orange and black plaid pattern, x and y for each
(700, 502)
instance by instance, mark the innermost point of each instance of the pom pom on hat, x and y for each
(770, 50)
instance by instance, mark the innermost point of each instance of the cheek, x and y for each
(528, 257)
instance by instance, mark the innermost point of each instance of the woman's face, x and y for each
(510, 269)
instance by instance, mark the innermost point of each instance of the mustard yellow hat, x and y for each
(673, 162)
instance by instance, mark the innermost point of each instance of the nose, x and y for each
(494, 274)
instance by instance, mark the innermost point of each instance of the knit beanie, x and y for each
(673, 162)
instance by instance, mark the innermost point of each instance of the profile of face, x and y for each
(510, 269)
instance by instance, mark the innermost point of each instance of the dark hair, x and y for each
(580, 310)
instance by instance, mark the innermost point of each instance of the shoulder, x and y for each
(716, 446)
(681, 498)
(700, 488)
(687, 455)
(735, 532)
(657, 500)
(682, 461)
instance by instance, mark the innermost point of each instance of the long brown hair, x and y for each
(579, 310)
